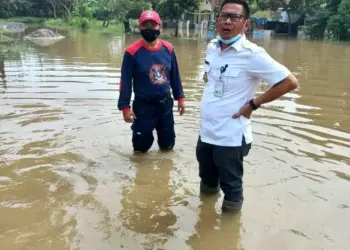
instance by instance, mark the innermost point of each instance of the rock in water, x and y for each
(13, 27)
(44, 33)
(44, 37)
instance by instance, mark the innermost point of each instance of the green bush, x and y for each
(254, 8)
(80, 22)
(5, 40)
(84, 23)
(339, 24)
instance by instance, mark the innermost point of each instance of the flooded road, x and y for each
(69, 179)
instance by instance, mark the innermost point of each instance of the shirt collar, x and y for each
(238, 46)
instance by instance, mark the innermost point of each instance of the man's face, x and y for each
(231, 20)
(150, 25)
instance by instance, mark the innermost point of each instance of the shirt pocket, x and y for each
(232, 73)
(233, 79)
(207, 75)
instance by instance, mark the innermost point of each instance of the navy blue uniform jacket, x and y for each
(152, 73)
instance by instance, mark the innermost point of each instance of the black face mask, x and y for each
(150, 34)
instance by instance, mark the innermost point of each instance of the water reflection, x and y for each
(147, 203)
(215, 230)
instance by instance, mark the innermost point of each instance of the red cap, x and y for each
(149, 15)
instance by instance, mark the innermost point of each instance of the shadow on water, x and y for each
(215, 230)
(147, 203)
(68, 177)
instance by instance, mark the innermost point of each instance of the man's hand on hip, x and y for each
(246, 111)
(129, 116)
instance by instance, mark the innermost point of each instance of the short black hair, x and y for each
(240, 2)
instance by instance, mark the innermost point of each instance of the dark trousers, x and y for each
(224, 166)
(150, 115)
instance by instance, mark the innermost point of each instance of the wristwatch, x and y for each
(252, 104)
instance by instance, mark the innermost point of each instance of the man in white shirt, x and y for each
(234, 67)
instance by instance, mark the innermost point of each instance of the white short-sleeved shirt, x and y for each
(247, 64)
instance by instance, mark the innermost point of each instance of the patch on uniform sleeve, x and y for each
(157, 74)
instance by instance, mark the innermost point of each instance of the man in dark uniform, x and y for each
(150, 68)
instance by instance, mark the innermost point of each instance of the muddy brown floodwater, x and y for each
(69, 179)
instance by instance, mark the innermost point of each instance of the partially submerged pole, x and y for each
(211, 25)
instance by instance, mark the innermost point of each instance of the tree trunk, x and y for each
(53, 5)
(105, 23)
(2, 71)
(127, 26)
(67, 10)
(289, 23)
(177, 28)
(54, 12)
(2, 68)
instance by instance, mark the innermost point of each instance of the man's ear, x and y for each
(247, 25)
(216, 23)
(216, 17)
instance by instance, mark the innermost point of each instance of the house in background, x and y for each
(278, 22)
(197, 18)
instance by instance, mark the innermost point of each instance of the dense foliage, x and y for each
(328, 17)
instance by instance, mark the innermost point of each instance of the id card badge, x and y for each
(219, 88)
(205, 77)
